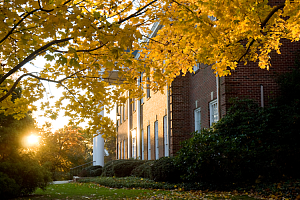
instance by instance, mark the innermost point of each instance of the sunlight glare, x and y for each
(32, 140)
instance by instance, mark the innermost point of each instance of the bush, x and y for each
(250, 144)
(165, 170)
(144, 170)
(7, 186)
(22, 177)
(123, 169)
(107, 170)
(91, 171)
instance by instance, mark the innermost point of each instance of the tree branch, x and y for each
(17, 24)
(263, 24)
(25, 16)
(31, 57)
(137, 13)
(41, 79)
(82, 50)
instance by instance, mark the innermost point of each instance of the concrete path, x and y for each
(61, 182)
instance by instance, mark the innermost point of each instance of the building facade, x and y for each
(154, 126)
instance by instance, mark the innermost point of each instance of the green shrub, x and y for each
(250, 144)
(124, 169)
(23, 177)
(165, 170)
(144, 170)
(107, 170)
(121, 168)
(96, 172)
(91, 171)
(8, 186)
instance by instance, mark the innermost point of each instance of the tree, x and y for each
(85, 40)
(66, 148)
(220, 34)
(88, 40)
(20, 172)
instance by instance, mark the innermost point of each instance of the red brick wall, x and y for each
(245, 81)
(202, 83)
(179, 111)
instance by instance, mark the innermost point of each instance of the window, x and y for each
(133, 133)
(149, 142)
(141, 80)
(197, 116)
(124, 146)
(133, 104)
(166, 136)
(196, 67)
(120, 150)
(143, 149)
(148, 89)
(124, 107)
(156, 140)
(213, 110)
(120, 114)
(133, 147)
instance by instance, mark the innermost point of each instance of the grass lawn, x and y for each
(95, 191)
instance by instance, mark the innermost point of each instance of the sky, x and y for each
(36, 66)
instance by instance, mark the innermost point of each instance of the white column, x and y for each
(262, 96)
(98, 148)
(128, 129)
(138, 127)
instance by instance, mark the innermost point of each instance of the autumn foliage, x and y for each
(83, 42)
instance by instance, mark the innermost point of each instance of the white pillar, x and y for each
(138, 127)
(262, 96)
(98, 148)
(128, 128)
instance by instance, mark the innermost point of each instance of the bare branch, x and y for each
(82, 50)
(39, 78)
(263, 24)
(31, 57)
(137, 13)
(17, 24)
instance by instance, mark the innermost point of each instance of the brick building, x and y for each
(154, 126)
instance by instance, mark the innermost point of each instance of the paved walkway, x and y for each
(61, 182)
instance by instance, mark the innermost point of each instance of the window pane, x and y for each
(197, 115)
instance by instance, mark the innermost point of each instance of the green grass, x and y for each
(96, 191)
(90, 191)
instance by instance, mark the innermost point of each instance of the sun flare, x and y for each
(32, 140)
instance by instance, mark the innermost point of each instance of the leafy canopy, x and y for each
(83, 41)
(86, 40)
(220, 33)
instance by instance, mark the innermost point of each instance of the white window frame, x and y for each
(143, 148)
(148, 89)
(121, 108)
(133, 143)
(121, 152)
(166, 136)
(119, 156)
(196, 67)
(149, 142)
(133, 104)
(197, 117)
(156, 140)
(124, 112)
(141, 80)
(124, 148)
(213, 111)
